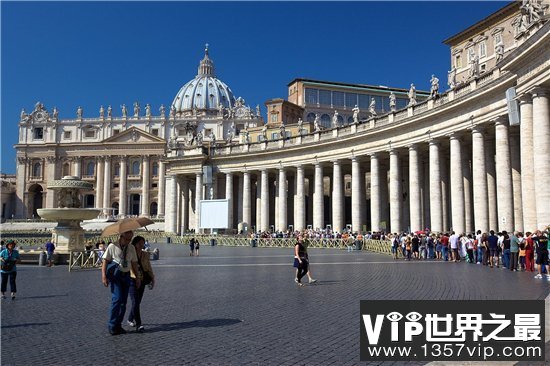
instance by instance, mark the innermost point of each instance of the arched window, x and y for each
(325, 121)
(310, 117)
(155, 169)
(66, 169)
(154, 209)
(340, 120)
(90, 168)
(350, 119)
(135, 168)
(37, 169)
(117, 169)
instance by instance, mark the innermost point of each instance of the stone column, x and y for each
(265, 200)
(107, 186)
(247, 195)
(145, 187)
(310, 187)
(357, 195)
(258, 206)
(375, 208)
(479, 179)
(122, 199)
(50, 176)
(541, 154)
(436, 206)
(414, 189)
(229, 198)
(78, 167)
(528, 194)
(299, 203)
(240, 190)
(184, 205)
(515, 162)
(318, 199)
(171, 204)
(468, 195)
(281, 185)
(337, 197)
(21, 205)
(100, 172)
(161, 188)
(457, 186)
(504, 183)
(491, 182)
(396, 194)
(198, 198)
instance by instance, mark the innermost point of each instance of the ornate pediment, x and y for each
(39, 115)
(134, 135)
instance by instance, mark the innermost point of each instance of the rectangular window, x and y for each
(351, 100)
(154, 185)
(482, 50)
(312, 96)
(288, 134)
(67, 135)
(207, 132)
(274, 117)
(458, 61)
(337, 99)
(260, 138)
(155, 131)
(364, 101)
(274, 135)
(116, 132)
(38, 133)
(324, 97)
(181, 132)
(89, 134)
(115, 185)
(498, 38)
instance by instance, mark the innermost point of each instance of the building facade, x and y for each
(465, 159)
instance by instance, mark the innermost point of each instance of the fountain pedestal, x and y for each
(68, 235)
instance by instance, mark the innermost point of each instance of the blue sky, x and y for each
(67, 54)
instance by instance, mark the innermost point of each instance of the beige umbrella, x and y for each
(124, 225)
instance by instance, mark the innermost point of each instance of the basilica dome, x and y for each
(205, 91)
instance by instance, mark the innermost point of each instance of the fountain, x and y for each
(68, 235)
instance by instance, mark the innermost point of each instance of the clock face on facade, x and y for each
(40, 116)
(240, 112)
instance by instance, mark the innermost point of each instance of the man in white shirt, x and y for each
(125, 255)
(453, 242)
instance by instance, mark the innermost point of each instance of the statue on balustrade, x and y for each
(282, 131)
(474, 68)
(55, 113)
(300, 124)
(79, 112)
(110, 111)
(451, 78)
(335, 119)
(199, 138)
(230, 137)
(124, 111)
(355, 111)
(372, 107)
(412, 96)
(24, 114)
(162, 110)
(393, 102)
(499, 50)
(172, 111)
(246, 136)
(101, 112)
(147, 110)
(264, 132)
(136, 109)
(317, 123)
(258, 113)
(434, 89)
(220, 110)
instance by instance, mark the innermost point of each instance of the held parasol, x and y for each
(128, 224)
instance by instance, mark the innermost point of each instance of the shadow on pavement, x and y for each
(42, 297)
(205, 323)
(23, 325)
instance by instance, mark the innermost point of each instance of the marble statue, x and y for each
(355, 111)
(372, 107)
(109, 111)
(199, 138)
(335, 119)
(55, 113)
(230, 136)
(212, 136)
(124, 111)
(147, 110)
(136, 109)
(162, 110)
(220, 110)
(300, 123)
(451, 78)
(172, 111)
(282, 131)
(499, 51)
(533, 11)
(393, 102)
(412, 96)
(434, 89)
(246, 137)
(38, 107)
(79, 112)
(24, 114)
(258, 113)
(317, 123)
(264, 132)
(101, 112)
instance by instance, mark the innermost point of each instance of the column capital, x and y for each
(393, 151)
(123, 158)
(539, 91)
(434, 142)
(477, 129)
(525, 98)
(374, 155)
(300, 167)
(336, 162)
(501, 121)
(412, 147)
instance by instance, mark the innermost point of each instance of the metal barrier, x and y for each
(377, 246)
(84, 259)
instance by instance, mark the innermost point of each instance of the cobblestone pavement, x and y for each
(232, 306)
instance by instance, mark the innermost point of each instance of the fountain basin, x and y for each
(65, 214)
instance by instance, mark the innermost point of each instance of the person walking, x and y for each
(492, 243)
(300, 261)
(506, 253)
(197, 245)
(541, 247)
(514, 251)
(125, 256)
(50, 248)
(192, 247)
(146, 276)
(529, 253)
(9, 257)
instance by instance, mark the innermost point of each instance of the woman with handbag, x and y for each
(300, 261)
(9, 257)
(146, 276)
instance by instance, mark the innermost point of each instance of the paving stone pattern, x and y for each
(233, 306)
